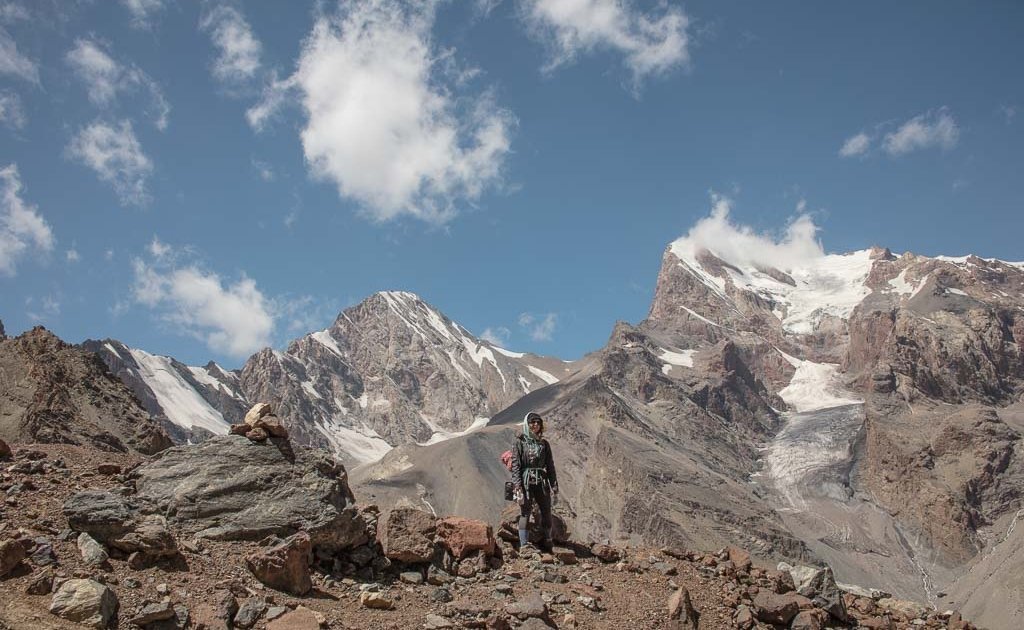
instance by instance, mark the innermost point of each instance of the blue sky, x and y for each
(201, 179)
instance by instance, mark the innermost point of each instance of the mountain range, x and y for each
(863, 410)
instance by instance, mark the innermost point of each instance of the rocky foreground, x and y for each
(245, 531)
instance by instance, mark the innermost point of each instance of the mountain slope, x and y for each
(55, 392)
(391, 370)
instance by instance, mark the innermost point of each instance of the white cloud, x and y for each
(108, 255)
(1009, 112)
(855, 145)
(14, 63)
(238, 57)
(12, 12)
(158, 249)
(105, 78)
(142, 11)
(48, 308)
(928, 130)
(651, 43)
(540, 328)
(21, 225)
(742, 245)
(383, 122)
(12, 114)
(116, 156)
(497, 336)
(234, 319)
(72, 255)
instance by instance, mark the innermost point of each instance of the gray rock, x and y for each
(103, 515)
(250, 612)
(530, 606)
(87, 602)
(92, 552)
(828, 596)
(11, 553)
(153, 612)
(229, 488)
(43, 556)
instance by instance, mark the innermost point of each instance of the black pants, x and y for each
(541, 494)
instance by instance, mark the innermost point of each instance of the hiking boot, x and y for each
(548, 546)
(528, 551)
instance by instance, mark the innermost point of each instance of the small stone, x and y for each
(153, 612)
(92, 552)
(250, 612)
(163, 589)
(257, 435)
(376, 601)
(411, 577)
(275, 611)
(41, 583)
(436, 622)
(108, 468)
(85, 601)
(441, 595)
(301, 618)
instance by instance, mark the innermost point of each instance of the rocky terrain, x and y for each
(194, 538)
(857, 410)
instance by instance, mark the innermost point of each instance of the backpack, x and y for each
(506, 458)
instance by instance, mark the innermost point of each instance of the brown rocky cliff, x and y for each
(55, 392)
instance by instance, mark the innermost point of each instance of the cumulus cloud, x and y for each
(12, 114)
(651, 43)
(13, 12)
(105, 78)
(383, 121)
(539, 327)
(498, 336)
(142, 11)
(232, 318)
(855, 145)
(13, 62)
(238, 50)
(744, 246)
(21, 226)
(926, 131)
(116, 156)
(73, 256)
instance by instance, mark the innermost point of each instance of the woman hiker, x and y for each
(533, 473)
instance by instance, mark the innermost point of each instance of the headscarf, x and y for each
(527, 433)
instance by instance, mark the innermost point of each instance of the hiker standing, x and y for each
(533, 473)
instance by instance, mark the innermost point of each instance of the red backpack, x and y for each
(506, 458)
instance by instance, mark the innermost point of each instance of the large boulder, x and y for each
(87, 602)
(681, 610)
(774, 608)
(284, 565)
(463, 536)
(408, 535)
(117, 523)
(229, 488)
(827, 595)
(509, 529)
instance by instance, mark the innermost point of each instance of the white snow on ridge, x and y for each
(112, 349)
(181, 403)
(814, 387)
(832, 284)
(324, 338)
(547, 377)
(204, 377)
(683, 358)
(509, 353)
(363, 444)
(955, 291)
(440, 435)
(900, 285)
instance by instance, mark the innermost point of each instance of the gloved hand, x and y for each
(519, 496)
(554, 496)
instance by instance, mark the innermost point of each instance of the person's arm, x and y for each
(517, 466)
(550, 464)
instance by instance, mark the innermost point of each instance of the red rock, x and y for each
(463, 536)
(407, 535)
(301, 618)
(741, 558)
(813, 619)
(108, 468)
(878, 623)
(606, 553)
(775, 608)
(257, 435)
(239, 429)
(284, 566)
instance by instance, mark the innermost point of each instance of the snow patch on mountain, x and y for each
(815, 386)
(181, 403)
(547, 377)
(362, 443)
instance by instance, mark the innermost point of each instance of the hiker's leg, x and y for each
(524, 520)
(544, 503)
